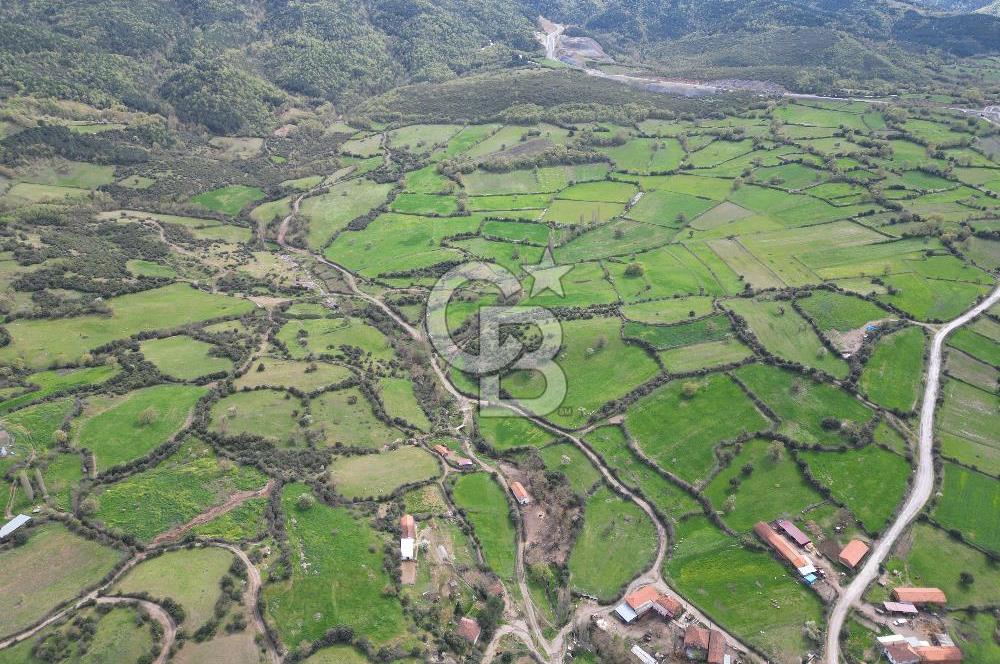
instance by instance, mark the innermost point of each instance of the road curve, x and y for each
(922, 486)
(157, 613)
(252, 595)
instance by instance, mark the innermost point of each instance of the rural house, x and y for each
(717, 647)
(901, 653)
(442, 450)
(939, 654)
(802, 564)
(919, 596)
(696, 641)
(853, 553)
(636, 605)
(520, 494)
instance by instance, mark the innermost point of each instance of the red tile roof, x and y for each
(670, 605)
(442, 450)
(716, 648)
(779, 544)
(696, 637)
(469, 628)
(920, 595)
(793, 531)
(853, 553)
(408, 526)
(940, 654)
(642, 596)
(519, 492)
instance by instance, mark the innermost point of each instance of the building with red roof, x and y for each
(780, 545)
(520, 493)
(696, 642)
(469, 629)
(901, 653)
(853, 553)
(939, 654)
(716, 647)
(793, 532)
(920, 595)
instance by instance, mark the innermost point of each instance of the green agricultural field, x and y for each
(33, 427)
(970, 370)
(603, 190)
(133, 426)
(672, 310)
(663, 337)
(269, 414)
(870, 482)
(183, 357)
(922, 567)
(836, 311)
(325, 336)
(304, 376)
(336, 576)
(967, 425)
(581, 212)
(62, 475)
(488, 511)
(616, 544)
(61, 173)
(598, 367)
(783, 332)
(704, 355)
(329, 213)
(345, 418)
(773, 488)
(566, 458)
(504, 433)
(981, 347)
(228, 200)
(39, 343)
(802, 405)
(189, 576)
(400, 401)
(974, 634)
(712, 569)
(29, 590)
(893, 375)
(186, 484)
(47, 383)
(378, 475)
(969, 504)
(678, 425)
(118, 636)
(610, 443)
(246, 522)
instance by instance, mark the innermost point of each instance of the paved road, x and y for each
(921, 491)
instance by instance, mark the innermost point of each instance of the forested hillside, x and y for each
(228, 64)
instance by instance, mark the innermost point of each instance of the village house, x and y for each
(469, 629)
(717, 648)
(853, 553)
(14, 525)
(464, 464)
(696, 641)
(636, 605)
(802, 564)
(520, 494)
(919, 596)
(442, 450)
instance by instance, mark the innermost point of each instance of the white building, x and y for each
(13, 525)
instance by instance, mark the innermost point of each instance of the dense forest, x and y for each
(228, 64)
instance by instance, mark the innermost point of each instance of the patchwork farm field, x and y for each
(221, 340)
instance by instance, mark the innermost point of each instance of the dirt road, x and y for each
(922, 485)
(157, 613)
(231, 503)
(252, 595)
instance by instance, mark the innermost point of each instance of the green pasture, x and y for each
(378, 475)
(183, 357)
(488, 511)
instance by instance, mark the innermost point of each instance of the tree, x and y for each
(635, 270)
(689, 389)
(148, 416)
(966, 578)
(305, 501)
(730, 504)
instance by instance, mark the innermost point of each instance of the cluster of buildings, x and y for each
(462, 462)
(911, 650)
(699, 644)
(788, 552)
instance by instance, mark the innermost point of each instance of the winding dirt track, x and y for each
(922, 485)
(231, 503)
(157, 613)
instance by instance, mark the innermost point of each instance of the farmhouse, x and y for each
(442, 450)
(716, 647)
(464, 464)
(902, 653)
(520, 494)
(469, 629)
(793, 532)
(407, 538)
(920, 595)
(14, 525)
(636, 605)
(853, 553)
(901, 608)
(696, 641)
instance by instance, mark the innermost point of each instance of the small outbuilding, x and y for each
(853, 553)
(643, 656)
(520, 493)
(939, 654)
(793, 532)
(442, 450)
(12, 526)
(901, 653)
(901, 608)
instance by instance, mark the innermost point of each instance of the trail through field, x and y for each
(922, 485)
(252, 600)
(157, 613)
(231, 503)
(554, 650)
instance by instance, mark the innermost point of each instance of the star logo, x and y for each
(547, 275)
